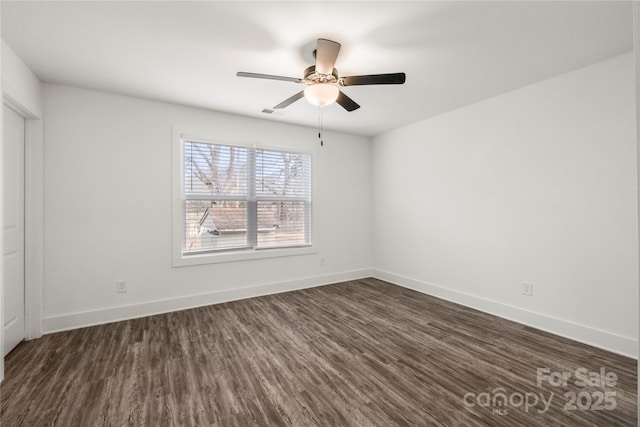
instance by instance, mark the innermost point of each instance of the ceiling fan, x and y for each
(322, 80)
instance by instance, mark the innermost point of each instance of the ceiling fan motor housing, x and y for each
(312, 77)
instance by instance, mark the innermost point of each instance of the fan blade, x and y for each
(374, 79)
(346, 102)
(269, 77)
(289, 100)
(326, 55)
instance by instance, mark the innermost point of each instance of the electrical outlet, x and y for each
(121, 286)
(527, 289)
(323, 262)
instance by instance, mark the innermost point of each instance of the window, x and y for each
(237, 198)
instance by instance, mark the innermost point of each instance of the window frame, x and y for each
(229, 255)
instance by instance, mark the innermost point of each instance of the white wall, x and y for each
(537, 185)
(108, 209)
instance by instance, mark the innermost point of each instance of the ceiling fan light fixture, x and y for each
(321, 94)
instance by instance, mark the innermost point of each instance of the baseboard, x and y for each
(113, 314)
(588, 335)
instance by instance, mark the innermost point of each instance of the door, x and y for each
(13, 180)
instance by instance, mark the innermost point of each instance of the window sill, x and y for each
(240, 255)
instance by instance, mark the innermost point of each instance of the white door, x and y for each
(13, 321)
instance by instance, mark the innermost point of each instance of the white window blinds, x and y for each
(244, 198)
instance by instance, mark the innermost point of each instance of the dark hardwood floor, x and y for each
(361, 353)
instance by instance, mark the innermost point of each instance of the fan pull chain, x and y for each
(320, 128)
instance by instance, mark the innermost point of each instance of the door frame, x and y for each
(33, 220)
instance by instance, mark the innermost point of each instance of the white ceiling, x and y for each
(454, 53)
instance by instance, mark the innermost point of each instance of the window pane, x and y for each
(283, 174)
(215, 225)
(244, 198)
(213, 169)
(283, 223)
